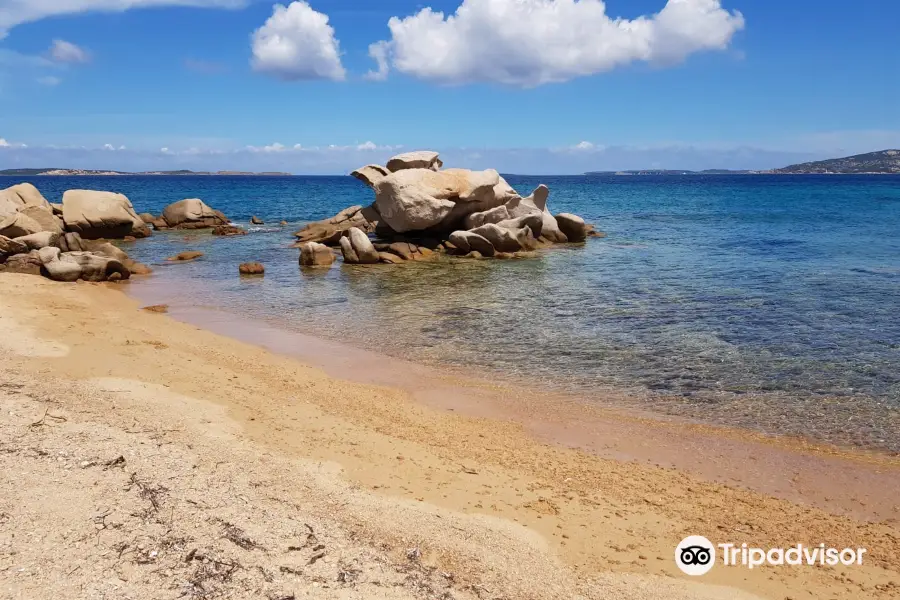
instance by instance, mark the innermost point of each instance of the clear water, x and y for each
(768, 302)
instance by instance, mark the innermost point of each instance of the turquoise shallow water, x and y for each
(768, 302)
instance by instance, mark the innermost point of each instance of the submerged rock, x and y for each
(251, 268)
(228, 230)
(185, 256)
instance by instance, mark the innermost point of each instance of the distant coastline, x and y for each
(78, 172)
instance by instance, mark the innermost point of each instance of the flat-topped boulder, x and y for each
(95, 214)
(329, 231)
(192, 213)
(419, 159)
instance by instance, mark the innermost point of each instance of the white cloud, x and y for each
(4, 143)
(532, 42)
(367, 146)
(379, 52)
(49, 80)
(297, 43)
(66, 52)
(108, 147)
(584, 146)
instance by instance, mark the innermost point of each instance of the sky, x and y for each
(524, 86)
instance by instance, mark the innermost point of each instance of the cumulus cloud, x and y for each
(367, 146)
(66, 52)
(532, 42)
(584, 146)
(4, 143)
(297, 43)
(16, 12)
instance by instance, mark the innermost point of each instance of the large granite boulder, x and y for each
(192, 213)
(329, 231)
(371, 174)
(467, 241)
(572, 226)
(39, 240)
(9, 247)
(45, 217)
(420, 159)
(506, 240)
(313, 254)
(72, 266)
(94, 214)
(71, 242)
(19, 224)
(28, 264)
(17, 197)
(418, 199)
(360, 248)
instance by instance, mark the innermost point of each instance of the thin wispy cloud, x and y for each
(16, 12)
(62, 51)
(527, 43)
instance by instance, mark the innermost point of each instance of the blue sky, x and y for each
(521, 85)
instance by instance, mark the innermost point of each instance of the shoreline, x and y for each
(492, 504)
(792, 468)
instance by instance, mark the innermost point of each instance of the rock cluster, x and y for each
(67, 241)
(420, 206)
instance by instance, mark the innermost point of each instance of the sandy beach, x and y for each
(145, 457)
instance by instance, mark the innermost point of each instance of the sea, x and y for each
(764, 302)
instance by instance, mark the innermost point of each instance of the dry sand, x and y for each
(141, 457)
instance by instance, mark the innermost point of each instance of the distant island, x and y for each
(69, 172)
(883, 162)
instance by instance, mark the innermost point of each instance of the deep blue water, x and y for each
(768, 302)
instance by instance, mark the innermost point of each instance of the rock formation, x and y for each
(466, 213)
(251, 268)
(313, 254)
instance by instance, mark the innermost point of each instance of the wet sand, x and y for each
(510, 490)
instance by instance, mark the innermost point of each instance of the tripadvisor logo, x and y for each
(696, 555)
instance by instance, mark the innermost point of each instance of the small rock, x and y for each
(314, 254)
(185, 256)
(157, 308)
(390, 258)
(256, 220)
(228, 230)
(251, 268)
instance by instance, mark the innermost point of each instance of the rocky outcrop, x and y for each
(313, 254)
(94, 214)
(192, 213)
(329, 231)
(251, 268)
(147, 218)
(371, 174)
(71, 242)
(572, 226)
(420, 159)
